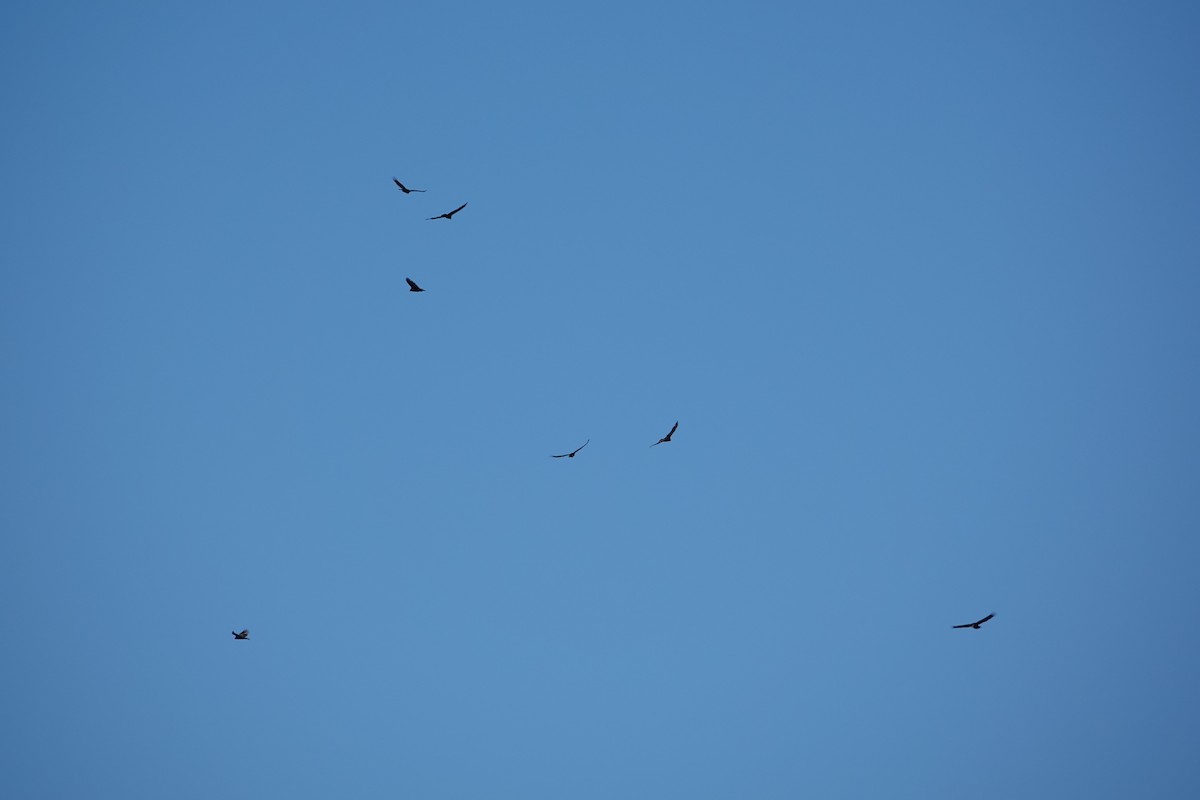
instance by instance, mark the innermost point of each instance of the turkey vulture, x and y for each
(976, 625)
(245, 634)
(450, 214)
(404, 188)
(412, 286)
(573, 452)
(667, 438)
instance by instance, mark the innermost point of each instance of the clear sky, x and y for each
(919, 281)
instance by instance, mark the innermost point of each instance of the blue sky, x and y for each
(919, 281)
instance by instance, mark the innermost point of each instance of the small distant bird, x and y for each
(667, 438)
(450, 214)
(573, 452)
(245, 634)
(404, 188)
(412, 286)
(976, 625)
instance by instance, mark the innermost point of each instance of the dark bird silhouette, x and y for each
(245, 634)
(667, 438)
(404, 188)
(573, 452)
(412, 286)
(976, 625)
(450, 214)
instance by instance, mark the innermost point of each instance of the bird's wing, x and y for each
(439, 216)
(673, 429)
(455, 211)
(411, 284)
(585, 444)
(968, 625)
(564, 455)
(398, 183)
(985, 619)
(245, 632)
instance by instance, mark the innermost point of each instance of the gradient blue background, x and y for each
(919, 280)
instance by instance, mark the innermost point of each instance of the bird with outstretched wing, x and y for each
(245, 634)
(404, 188)
(667, 438)
(975, 625)
(450, 214)
(412, 285)
(573, 452)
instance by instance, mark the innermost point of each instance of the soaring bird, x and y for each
(245, 634)
(450, 214)
(404, 188)
(667, 438)
(412, 286)
(975, 625)
(573, 452)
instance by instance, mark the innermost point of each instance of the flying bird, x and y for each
(245, 634)
(667, 438)
(450, 214)
(976, 625)
(412, 286)
(404, 188)
(573, 452)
